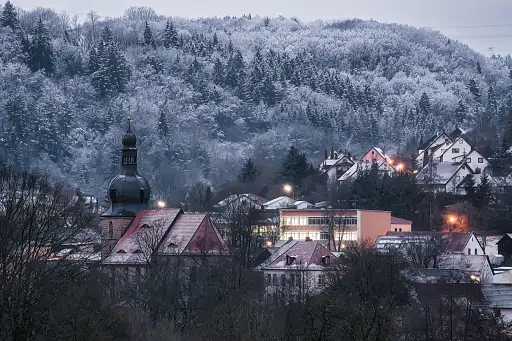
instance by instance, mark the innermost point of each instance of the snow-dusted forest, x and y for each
(208, 93)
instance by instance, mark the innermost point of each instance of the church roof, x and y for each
(166, 232)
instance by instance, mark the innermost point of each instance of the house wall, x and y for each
(503, 278)
(306, 282)
(332, 175)
(486, 275)
(439, 152)
(473, 245)
(456, 150)
(451, 186)
(372, 156)
(473, 161)
(372, 224)
(506, 314)
(400, 228)
(112, 228)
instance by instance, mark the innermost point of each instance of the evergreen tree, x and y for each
(492, 104)
(483, 193)
(41, 51)
(9, 17)
(148, 36)
(475, 91)
(218, 72)
(478, 68)
(163, 128)
(93, 63)
(469, 187)
(268, 92)
(112, 74)
(460, 112)
(235, 70)
(295, 168)
(249, 172)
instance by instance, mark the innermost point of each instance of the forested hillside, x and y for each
(208, 93)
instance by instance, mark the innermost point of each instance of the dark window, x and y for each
(283, 280)
(110, 229)
(289, 260)
(468, 160)
(326, 260)
(269, 279)
(400, 229)
(395, 229)
(321, 279)
(469, 251)
(141, 196)
(274, 279)
(476, 252)
(455, 150)
(324, 235)
(292, 279)
(374, 160)
(480, 160)
(112, 194)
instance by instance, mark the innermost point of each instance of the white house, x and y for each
(297, 268)
(443, 176)
(454, 152)
(431, 145)
(336, 164)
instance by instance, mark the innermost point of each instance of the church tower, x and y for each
(128, 193)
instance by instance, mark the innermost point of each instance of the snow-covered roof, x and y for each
(468, 263)
(307, 255)
(160, 229)
(349, 173)
(395, 220)
(444, 171)
(381, 152)
(282, 201)
(234, 197)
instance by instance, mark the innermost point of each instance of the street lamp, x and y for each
(451, 221)
(161, 204)
(289, 189)
(400, 167)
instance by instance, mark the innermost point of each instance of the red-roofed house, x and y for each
(297, 268)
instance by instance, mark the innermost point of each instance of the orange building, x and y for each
(347, 225)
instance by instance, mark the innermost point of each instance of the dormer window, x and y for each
(173, 245)
(290, 260)
(121, 251)
(326, 260)
(137, 251)
(145, 226)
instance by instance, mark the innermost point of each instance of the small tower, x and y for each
(128, 193)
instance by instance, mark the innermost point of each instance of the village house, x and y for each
(296, 269)
(336, 164)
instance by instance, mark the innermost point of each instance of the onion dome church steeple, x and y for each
(128, 192)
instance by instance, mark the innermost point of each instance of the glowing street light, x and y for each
(451, 221)
(390, 161)
(161, 204)
(269, 243)
(400, 167)
(289, 189)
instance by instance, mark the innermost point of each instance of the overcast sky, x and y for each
(482, 24)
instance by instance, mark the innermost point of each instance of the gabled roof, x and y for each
(456, 133)
(339, 161)
(381, 153)
(288, 200)
(395, 220)
(453, 144)
(469, 263)
(498, 295)
(348, 174)
(192, 234)
(444, 172)
(453, 242)
(307, 255)
(431, 140)
(142, 236)
(233, 197)
(461, 293)
(153, 231)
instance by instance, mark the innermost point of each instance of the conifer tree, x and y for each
(483, 194)
(148, 36)
(460, 112)
(478, 68)
(249, 172)
(112, 74)
(9, 17)
(475, 91)
(163, 128)
(268, 92)
(170, 36)
(295, 168)
(93, 63)
(41, 55)
(218, 72)
(469, 187)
